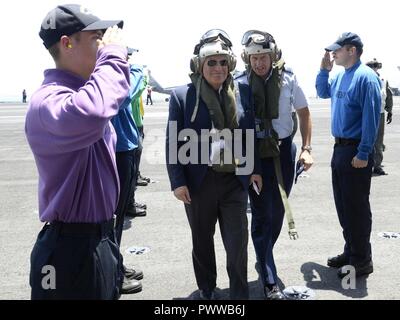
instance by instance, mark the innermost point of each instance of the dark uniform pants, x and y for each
(221, 198)
(351, 189)
(138, 156)
(379, 146)
(84, 261)
(127, 167)
(268, 211)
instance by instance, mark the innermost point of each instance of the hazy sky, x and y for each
(166, 31)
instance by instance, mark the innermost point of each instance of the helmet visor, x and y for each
(257, 37)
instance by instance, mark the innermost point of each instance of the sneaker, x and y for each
(273, 293)
(133, 273)
(379, 171)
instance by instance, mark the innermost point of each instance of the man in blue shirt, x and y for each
(356, 101)
(127, 144)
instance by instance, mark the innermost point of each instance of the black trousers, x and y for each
(139, 150)
(351, 189)
(221, 198)
(127, 167)
(83, 263)
(379, 145)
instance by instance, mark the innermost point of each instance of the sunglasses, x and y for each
(299, 169)
(213, 63)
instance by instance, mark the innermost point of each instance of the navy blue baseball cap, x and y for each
(346, 38)
(65, 20)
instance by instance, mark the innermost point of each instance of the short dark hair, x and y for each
(359, 50)
(54, 50)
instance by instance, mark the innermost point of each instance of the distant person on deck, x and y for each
(24, 96)
(149, 90)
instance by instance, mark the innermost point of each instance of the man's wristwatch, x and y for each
(306, 148)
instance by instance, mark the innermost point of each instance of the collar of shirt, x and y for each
(62, 77)
(353, 67)
(269, 75)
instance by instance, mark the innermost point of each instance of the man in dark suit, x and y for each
(213, 183)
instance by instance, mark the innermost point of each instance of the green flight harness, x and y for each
(222, 109)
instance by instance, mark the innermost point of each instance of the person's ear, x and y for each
(66, 42)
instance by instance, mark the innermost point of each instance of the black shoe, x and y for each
(361, 270)
(273, 293)
(133, 273)
(136, 212)
(140, 205)
(379, 171)
(144, 178)
(338, 261)
(130, 286)
(141, 182)
(207, 295)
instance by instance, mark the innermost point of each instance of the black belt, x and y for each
(100, 229)
(287, 139)
(347, 142)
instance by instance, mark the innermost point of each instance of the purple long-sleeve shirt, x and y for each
(69, 132)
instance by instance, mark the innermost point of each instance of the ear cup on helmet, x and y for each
(245, 57)
(276, 52)
(232, 62)
(194, 64)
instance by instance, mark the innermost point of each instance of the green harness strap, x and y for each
(288, 212)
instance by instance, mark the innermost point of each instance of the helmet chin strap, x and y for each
(196, 107)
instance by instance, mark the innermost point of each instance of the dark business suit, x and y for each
(215, 195)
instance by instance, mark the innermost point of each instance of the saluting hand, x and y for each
(182, 194)
(327, 63)
(359, 164)
(113, 35)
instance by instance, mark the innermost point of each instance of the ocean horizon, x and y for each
(11, 99)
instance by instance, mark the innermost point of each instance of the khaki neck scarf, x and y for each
(222, 106)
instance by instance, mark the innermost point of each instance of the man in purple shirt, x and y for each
(69, 132)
